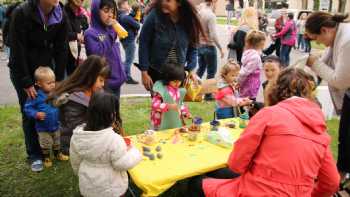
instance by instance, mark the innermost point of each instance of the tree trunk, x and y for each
(304, 4)
(330, 5)
(316, 5)
(341, 7)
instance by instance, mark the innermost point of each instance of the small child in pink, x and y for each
(227, 97)
(249, 75)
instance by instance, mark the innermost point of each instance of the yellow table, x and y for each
(180, 161)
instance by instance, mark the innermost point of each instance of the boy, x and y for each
(272, 68)
(131, 25)
(45, 115)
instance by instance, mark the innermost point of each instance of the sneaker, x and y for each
(37, 166)
(47, 162)
(132, 81)
(62, 157)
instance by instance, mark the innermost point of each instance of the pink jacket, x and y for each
(288, 34)
(284, 151)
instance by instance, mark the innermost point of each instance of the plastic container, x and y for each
(122, 33)
(243, 120)
(214, 125)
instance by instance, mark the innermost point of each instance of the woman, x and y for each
(37, 37)
(72, 96)
(285, 150)
(249, 21)
(77, 24)
(288, 38)
(301, 31)
(334, 67)
(169, 34)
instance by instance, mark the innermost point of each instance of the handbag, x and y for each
(193, 90)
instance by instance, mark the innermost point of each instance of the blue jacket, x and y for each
(130, 25)
(158, 35)
(33, 106)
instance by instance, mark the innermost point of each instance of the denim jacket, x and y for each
(158, 35)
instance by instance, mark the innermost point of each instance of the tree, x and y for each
(304, 4)
(341, 7)
(316, 5)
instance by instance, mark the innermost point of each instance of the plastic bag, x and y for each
(193, 90)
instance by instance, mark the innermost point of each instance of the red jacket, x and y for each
(284, 151)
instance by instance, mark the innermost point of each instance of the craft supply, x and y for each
(192, 136)
(243, 120)
(146, 149)
(214, 125)
(159, 156)
(158, 148)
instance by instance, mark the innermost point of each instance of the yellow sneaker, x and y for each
(47, 162)
(62, 157)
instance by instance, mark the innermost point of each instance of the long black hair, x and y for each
(188, 18)
(102, 111)
(173, 72)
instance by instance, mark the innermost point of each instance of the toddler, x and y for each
(249, 75)
(168, 109)
(227, 96)
(46, 116)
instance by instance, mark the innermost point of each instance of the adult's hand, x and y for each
(222, 53)
(80, 38)
(146, 80)
(31, 92)
(311, 60)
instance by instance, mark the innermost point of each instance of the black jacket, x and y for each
(33, 44)
(76, 24)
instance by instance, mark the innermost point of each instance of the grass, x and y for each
(17, 179)
(222, 21)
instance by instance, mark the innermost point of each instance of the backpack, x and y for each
(7, 22)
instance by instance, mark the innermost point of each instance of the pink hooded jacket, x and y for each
(284, 151)
(288, 34)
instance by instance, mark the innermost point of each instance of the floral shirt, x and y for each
(159, 107)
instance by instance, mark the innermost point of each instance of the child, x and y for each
(73, 94)
(226, 97)
(99, 156)
(168, 109)
(46, 116)
(272, 68)
(249, 75)
(101, 39)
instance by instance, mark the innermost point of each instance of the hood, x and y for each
(92, 144)
(95, 15)
(307, 112)
(56, 16)
(78, 97)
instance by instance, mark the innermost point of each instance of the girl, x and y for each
(99, 156)
(73, 94)
(101, 39)
(168, 109)
(226, 97)
(249, 75)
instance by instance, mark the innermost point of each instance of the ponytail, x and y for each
(320, 19)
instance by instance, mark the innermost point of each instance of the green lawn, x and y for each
(222, 21)
(17, 180)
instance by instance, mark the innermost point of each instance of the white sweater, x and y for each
(334, 66)
(101, 159)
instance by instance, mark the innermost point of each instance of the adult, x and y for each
(279, 23)
(285, 149)
(132, 26)
(288, 36)
(38, 36)
(249, 21)
(170, 33)
(230, 8)
(78, 23)
(301, 31)
(334, 67)
(207, 54)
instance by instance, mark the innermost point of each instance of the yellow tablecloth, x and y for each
(181, 160)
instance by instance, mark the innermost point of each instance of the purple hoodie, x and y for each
(102, 40)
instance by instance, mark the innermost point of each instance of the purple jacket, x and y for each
(288, 34)
(102, 40)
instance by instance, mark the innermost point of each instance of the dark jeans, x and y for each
(129, 48)
(71, 64)
(285, 52)
(301, 41)
(196, 183)
(28, 124)
(307, 46)
(344, 136)
(207, 60)
(274, 47)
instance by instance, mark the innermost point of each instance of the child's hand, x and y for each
(188, 116)
(245, 102)
(173, 107)
(40, 116)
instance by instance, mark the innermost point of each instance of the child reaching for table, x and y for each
(227, 97)
(98, 155)
(168, 109)
(249, 75)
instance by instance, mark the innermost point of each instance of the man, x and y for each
(131, 25)
(37, 37)
(207, 55)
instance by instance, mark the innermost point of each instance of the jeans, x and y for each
(207, 60)
(301, 41)
(31, 138)
(343, 163)
(285, 52)
(307, 46)
(129, 48)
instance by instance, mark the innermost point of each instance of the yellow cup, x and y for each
(122, 33)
